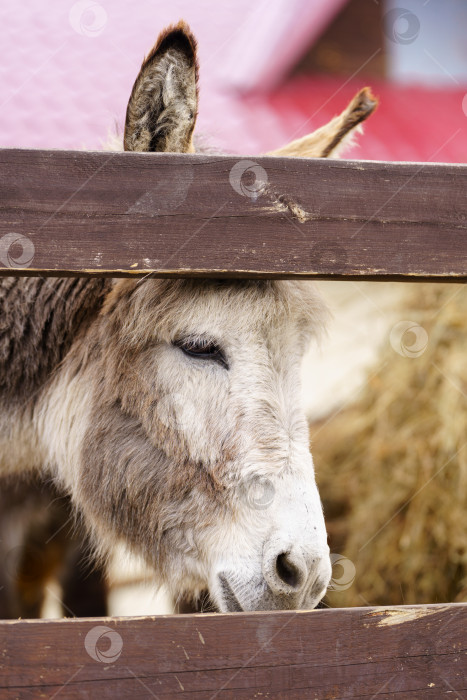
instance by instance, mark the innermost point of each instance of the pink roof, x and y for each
(68, 68)
(271, 40)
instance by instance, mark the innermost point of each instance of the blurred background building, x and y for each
(270, 70)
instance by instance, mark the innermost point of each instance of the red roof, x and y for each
(411, 123)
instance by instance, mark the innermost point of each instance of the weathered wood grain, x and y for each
(131, 213)
(408, 652)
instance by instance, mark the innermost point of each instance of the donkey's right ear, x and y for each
(163, 104)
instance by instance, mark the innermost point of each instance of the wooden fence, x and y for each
(408, 652)
(128, 213)
(125, 214)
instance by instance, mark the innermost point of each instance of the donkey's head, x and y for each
(196, 446)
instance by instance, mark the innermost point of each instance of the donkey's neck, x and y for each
(39, 319)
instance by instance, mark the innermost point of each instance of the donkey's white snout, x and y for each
(289, 576)
(288, 571)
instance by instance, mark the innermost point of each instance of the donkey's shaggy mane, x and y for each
(159, 301)
(40, 319)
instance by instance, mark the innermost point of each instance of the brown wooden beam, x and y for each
(405, 652)
(85, 213)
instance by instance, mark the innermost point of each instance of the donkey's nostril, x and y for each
(287, 571)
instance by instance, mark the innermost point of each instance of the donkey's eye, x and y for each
(202, 350)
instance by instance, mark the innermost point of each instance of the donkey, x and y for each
(40, 543)
(169, 409)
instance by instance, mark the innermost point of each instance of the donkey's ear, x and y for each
(331, 139)
(162, 108)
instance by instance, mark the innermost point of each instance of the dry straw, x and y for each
(392, 467)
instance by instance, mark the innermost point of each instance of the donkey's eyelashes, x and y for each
(202, 349)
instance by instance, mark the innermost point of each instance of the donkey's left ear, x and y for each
(162, 108)
(332, 138)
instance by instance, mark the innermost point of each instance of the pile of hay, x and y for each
(392, 467)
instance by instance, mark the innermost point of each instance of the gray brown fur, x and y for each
(162, 109)
(39, 320)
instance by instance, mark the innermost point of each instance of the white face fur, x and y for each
(209, 451)
(236, 410)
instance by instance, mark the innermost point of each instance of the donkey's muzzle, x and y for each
(289, 580)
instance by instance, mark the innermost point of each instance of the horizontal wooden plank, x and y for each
(412, 651)
(85, 213)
